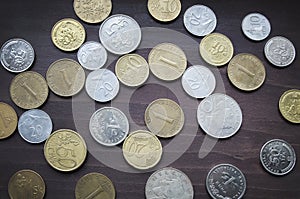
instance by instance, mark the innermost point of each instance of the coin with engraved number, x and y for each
(26, 184)
(225, 181)
(278, 157)
(256, 26)
(16, 55)
(8, 120)
(289, 105)
(169, 182)
(164, 10)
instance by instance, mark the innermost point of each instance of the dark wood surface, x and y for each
(33, 20)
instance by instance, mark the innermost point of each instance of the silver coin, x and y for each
(219, 115)
(169, 183)
(200, 20)
(102, 85)
(35, 126)
(280, 51)
(278, 157)
(17, 55)
(225, 181)
(256, 26)
(120, 34)
(109, 126)
(198, 81)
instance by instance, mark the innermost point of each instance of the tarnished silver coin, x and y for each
(17, 55)
(102, 85)
(280, 51)
(256, 26)
(35, 126)
(198, 81)
(278, 157)
(109, 126)
(120, 34)
(169, 183)
(219, 115)
(200, 20)
(225, 181)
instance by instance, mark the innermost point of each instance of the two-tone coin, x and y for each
(256, 26)
(164, 11)
(8, 120)
(289, 105)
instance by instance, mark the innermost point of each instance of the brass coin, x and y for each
(68, 34)
(246, 72)
(164, 10)
(289, 105)
(216, 49)
(8, 120)
(65, 150)
(142, 149)
(96, 186)
(26, 184)
(65, 77)
(29, 90)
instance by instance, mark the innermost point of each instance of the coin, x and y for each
(167, 61)
(26, 184)
(219, 115)
(280, 51)
(29, 90)
(256, 26)
(132, 70)
(164, 10)
(65, 150)
(142, 150)
(199, 20)
(246, 72)
(289, 105)
(65, 77)
(278, 157)
(216, 49)
(120, 34)
(169, 183)
(198, 81)
(8, 120)
(68, 34)
(226, 181)
(16, 55)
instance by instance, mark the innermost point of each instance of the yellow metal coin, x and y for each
(8, 120)
(289, 105)
(164, 10)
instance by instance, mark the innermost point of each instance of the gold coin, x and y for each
(29, 90)
(167, 61)
(142, 149)
(289, 105)
(164, 118)
(246, 72)
(216, 49)
(68, 34)
(132, 70)
(164, 10)
(26, 184)
(93, 11)
(65, 77)
(65, 150)
(8, 120)
(96, 186)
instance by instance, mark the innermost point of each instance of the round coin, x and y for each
(164, 11)
(256, 26)
(8, 120)
(289, 105)
(16, 55)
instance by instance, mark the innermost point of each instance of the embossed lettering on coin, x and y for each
(289, 105)
(8, 120)
(256, 26)
(164, 10)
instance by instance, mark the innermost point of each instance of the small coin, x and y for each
(17, 55)
(142, 150)
(169, 183)
(29, 90)
(246, 72)
(8, 120)
(164, 11)
(278, 157)
(26, 184)
(289, 105)
(68, 34)
(216, 49)
(167, 61)
(65, 77)
(226, 181)
(65, 150)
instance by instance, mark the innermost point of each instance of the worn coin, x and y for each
(289, 105)
(8, 120)
(256, 26)
(164, 10)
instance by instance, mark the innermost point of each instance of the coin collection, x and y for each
(218, 114)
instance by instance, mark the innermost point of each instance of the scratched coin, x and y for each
(256, 26)
(289, 105)
(8, 120)
(164, 11)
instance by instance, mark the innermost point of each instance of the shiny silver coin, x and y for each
(35, 126)
(219, 115)
(17, 55)
(278, 157)
(200, 20)
(120, 34)
(225, 181)
(256, 26)
(169, 183)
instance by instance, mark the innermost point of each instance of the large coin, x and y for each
(8, 120)
(256, 26)
(17, 55)
(65, 150)
(289, 105)
(164, 10)
(169, 183)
